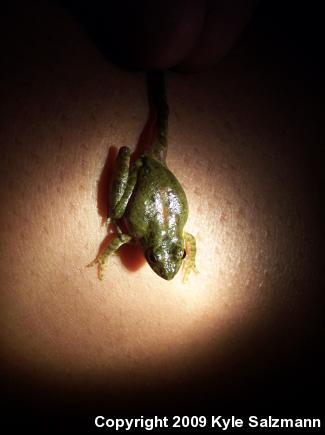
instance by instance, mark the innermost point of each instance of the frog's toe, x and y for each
(188, 268)
(92, 263)
(100, 271)
(106, 222)
(100, 263)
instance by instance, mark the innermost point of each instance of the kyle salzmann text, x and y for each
(214, 422)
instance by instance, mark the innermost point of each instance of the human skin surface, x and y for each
(237, 143)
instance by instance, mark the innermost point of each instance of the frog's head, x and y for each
(166, 260)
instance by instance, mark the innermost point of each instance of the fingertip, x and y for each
(154, 35)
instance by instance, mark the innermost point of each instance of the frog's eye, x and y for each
(151, 257)
(184, 254)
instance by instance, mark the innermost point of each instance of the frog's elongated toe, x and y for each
(100, 262)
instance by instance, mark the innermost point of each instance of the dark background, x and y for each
(279, 382)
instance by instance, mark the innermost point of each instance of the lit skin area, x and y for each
(232, 147)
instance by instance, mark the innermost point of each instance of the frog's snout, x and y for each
(166, 273)
(163, 265)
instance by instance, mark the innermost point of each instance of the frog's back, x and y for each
(158, 204)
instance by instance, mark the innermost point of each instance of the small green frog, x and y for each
(150, 202)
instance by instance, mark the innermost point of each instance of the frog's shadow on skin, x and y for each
(131, 255)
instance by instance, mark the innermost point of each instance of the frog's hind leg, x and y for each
(113, 246)
(189, 262)
(119, 180)
(123, 183)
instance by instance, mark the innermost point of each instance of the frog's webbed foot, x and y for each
(106, 223)
(189, 261)
(114, 245)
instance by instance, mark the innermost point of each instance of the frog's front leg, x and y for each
(189, 261)
(113, 246)
(122, 187)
